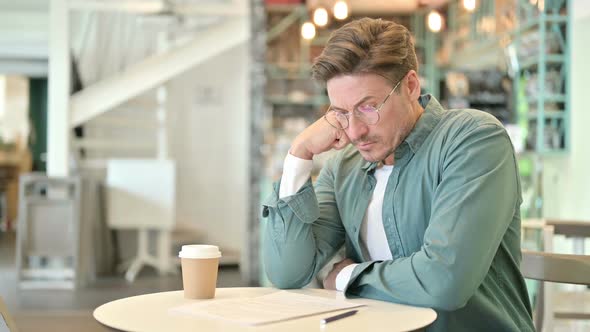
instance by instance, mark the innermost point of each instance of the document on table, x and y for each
(3, 324)
(271, 308)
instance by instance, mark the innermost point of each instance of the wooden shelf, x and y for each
(548, 98)
(534, 22)
(546, 115)
(549, 58)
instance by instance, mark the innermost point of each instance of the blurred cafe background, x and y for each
(131, 127)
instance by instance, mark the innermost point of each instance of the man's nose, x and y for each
(356, 128)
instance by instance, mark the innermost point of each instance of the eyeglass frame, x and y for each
(377, 109)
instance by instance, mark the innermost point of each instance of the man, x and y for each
(424, 200)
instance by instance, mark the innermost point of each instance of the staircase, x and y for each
(122, 107)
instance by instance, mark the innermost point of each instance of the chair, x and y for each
(141, 195)
(48, 234)
(557, 268)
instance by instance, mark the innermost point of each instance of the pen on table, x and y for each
(337, 317)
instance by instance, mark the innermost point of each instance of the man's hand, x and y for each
(319, 137)
(330, 280)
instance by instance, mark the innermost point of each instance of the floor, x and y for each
(66, 310)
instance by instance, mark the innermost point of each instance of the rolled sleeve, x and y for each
(343, 277)
(302, 231)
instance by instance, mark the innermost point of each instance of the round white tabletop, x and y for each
(149, 312)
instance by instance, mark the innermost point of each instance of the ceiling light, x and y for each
(435, 21)
(320, 17)
(341, 10)
(469, 5)
(308, 30)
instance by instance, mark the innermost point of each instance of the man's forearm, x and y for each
(298, 240)
(289, 247)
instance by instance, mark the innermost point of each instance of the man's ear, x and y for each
(413, 84)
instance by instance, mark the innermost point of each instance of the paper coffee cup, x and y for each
(199, 270)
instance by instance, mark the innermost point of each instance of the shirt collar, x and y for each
(428, 120)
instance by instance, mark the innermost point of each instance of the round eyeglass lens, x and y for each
(368, 114)
(337, 119)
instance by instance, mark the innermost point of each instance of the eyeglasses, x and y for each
(365, 113)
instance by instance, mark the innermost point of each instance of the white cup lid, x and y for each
(199, 251)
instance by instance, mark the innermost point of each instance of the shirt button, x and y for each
(354, 229)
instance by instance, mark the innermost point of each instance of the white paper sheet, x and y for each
(271, 308)
(3, 324)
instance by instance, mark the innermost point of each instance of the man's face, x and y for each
(375, 142)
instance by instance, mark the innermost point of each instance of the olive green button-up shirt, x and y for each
(451, 217)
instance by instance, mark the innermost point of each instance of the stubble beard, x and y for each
(369, 155)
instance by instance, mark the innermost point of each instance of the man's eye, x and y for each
(341, 113)
(366, 108)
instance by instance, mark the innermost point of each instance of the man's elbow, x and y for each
(281, 278)
(451, 299)
(450, 304)
(287, 276)
(285, 284)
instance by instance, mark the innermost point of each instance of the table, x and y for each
(150, 313)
